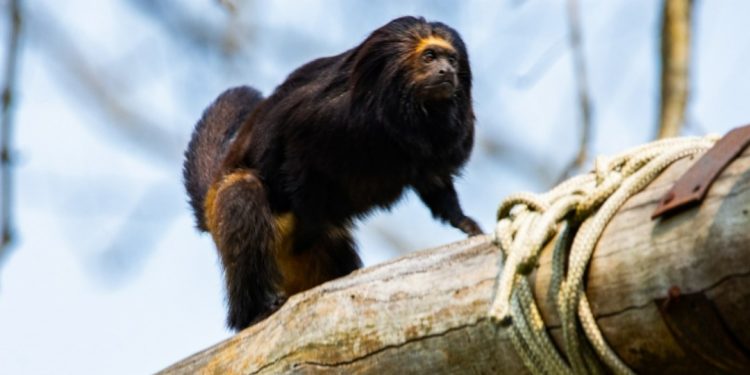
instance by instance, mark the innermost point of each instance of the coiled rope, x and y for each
(573, 214)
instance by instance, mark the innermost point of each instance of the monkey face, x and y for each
(436, 66)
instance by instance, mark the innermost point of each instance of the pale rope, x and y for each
(527, 222)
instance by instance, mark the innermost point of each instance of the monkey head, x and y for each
(426, 60)
(435, 68)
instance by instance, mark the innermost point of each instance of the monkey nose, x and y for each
(446, 69)
(447, 74)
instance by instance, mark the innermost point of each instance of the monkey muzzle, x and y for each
(441, 83)
(441, 90)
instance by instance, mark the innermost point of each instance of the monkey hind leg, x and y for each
(333, 254)
(242, 225)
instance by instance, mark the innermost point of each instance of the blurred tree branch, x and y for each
(230, 5)
(150, 219)
(393, 238)
(584, 99)
(517, 157)
(675, 62)
(95, 85)
(8, 101)
(534, 71)
(98, 87)
(193, 30)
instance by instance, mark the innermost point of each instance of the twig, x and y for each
(675, 62)
(8, 99)
(584, 100)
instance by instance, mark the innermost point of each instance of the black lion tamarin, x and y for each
(279, 181)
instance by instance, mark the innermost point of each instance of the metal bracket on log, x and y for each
(692, 187)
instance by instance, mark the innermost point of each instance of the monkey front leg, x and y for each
(440, 196)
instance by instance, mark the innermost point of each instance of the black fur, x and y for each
(341, 136)
(246, 276)
(209, 141)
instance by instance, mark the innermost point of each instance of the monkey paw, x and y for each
(469, 226)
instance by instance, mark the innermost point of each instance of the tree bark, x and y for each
(427, 312)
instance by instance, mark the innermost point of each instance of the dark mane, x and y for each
(381, 66)
(367, 89)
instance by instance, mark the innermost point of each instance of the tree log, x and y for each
(670, 295)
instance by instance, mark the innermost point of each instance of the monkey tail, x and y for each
(210, 140)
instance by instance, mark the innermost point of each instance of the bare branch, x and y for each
(675, 63)
(581, 77)
(8, 101)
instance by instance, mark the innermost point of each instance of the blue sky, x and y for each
(109, 276)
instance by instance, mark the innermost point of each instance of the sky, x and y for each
(108, 274)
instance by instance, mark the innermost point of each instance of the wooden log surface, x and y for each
(427, 312)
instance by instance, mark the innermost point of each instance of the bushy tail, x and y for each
(208, 144)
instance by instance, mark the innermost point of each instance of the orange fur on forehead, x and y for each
(433, 40)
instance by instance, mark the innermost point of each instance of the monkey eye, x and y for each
(452, 60)
(428, 56)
